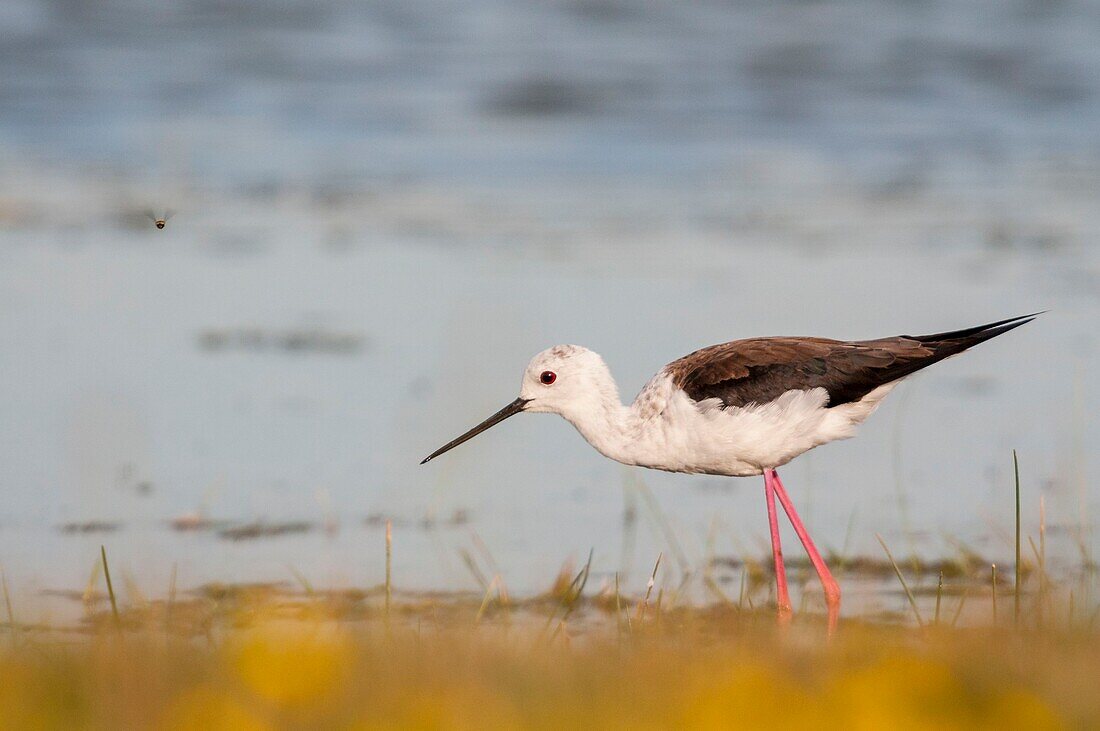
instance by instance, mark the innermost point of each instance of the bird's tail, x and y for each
(935, 347)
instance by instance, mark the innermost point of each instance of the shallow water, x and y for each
(455, 192)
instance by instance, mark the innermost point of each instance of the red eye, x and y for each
(548, 377)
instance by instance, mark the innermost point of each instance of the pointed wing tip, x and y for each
(426, 460)
(1018, 321)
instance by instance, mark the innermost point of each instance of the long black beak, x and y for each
(510, 410)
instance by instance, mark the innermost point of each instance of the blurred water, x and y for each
(460, 186)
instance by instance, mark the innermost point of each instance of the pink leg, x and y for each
(828, 583)
(782, 598)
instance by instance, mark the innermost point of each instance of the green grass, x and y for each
(901, 579)
(1019, 564)
(110, 586)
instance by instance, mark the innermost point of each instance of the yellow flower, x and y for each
(33, 696)
(465, 706)
(1020, 709)
(207, 709)
(898, 692)
(293, 668)
(751, 696)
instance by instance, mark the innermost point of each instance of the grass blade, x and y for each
(471, 565)
(842, 559)
(573, 595)
(7, 603)
(389, 562)
(89, 597)
(110, 587)
(939, 596)
(993, 569)
(618, 612)
(663, 524)
(1039, 597)
(484, 601)
(644, 605)
(909, 594)
(582, 578)
(171, 600)
(630, 526)
(1043, 579)
(1016, 588)
(301, 579)
(959, 609)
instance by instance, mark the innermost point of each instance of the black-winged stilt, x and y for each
(740, 408)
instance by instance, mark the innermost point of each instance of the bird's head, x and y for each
(566, 380)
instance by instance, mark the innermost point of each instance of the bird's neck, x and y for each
(606, 424)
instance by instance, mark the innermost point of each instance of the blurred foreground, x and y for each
(251, 657)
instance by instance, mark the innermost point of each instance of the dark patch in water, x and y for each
(544, 97)
(251, 591)
(458, 517)
(295, 340)
(196, 522)
(261, 529)
(93, 526)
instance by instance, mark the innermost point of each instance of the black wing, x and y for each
(759, 370)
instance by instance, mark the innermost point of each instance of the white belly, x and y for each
(685, 436)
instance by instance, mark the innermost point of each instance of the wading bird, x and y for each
(740, 408)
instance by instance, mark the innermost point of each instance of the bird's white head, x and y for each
(566, 379)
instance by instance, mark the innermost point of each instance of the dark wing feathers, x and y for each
(759, 370)
(984, 332)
